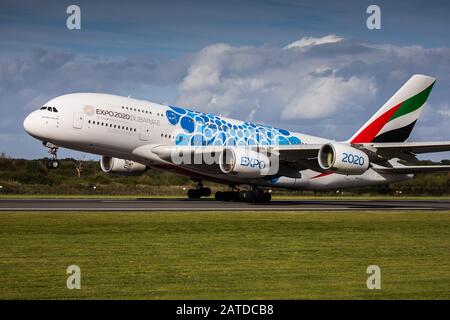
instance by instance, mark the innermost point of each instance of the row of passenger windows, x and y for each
(141, 110)
(115, 126)
(110, 125)
(51, 109)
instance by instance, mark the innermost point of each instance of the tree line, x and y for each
(19, 176)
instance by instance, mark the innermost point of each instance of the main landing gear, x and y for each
(255, 195)
(199, 192)
(52, 163)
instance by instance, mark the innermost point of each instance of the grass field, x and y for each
(225, 255)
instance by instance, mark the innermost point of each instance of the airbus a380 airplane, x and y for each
(134, 135)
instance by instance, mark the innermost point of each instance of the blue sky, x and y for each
(228, 57)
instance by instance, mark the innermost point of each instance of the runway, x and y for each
(155, 204)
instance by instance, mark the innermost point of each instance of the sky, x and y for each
(308, 66)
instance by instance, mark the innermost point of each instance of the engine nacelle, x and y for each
(245, 163)
(343, 159)
(121, 166)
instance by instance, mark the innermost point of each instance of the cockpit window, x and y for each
(51, 109)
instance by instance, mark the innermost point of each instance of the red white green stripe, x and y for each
(395, 120)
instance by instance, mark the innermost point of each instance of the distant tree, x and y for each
(78, 167)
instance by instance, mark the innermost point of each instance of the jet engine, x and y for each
(121, 166)
(246, 163)
(343, 159)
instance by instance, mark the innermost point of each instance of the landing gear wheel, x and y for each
(194, 194)
(199, 192)
(205, 192)
(267, 197)
(257, 195)
(219, 196)
(244, 195)
(52, 164)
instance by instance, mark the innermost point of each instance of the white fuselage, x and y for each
(127, 128)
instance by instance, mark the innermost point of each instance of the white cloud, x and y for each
(323, 90)
(326, 90)
(311, 41)
(324, 96)
(270, 83)
(443, 110)
(205, 71)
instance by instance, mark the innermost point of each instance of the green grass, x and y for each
(225, 255)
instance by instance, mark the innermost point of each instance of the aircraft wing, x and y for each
(183, 156)
(385, 151)
(380, 151)
(297, 152)
(305, 155)
(412, 147)
(286, 152)
(293, 158)
(412, 169)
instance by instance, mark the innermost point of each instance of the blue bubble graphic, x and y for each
(294, 140)
(172, 117)
(284, 132)
(187, 124)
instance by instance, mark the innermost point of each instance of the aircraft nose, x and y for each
(30, 124)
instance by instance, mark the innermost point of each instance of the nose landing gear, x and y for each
(53, 162)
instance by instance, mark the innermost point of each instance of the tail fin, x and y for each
(397, 117)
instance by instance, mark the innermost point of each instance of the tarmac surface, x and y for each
(155, 204)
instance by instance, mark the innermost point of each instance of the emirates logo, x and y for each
(89, 110)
